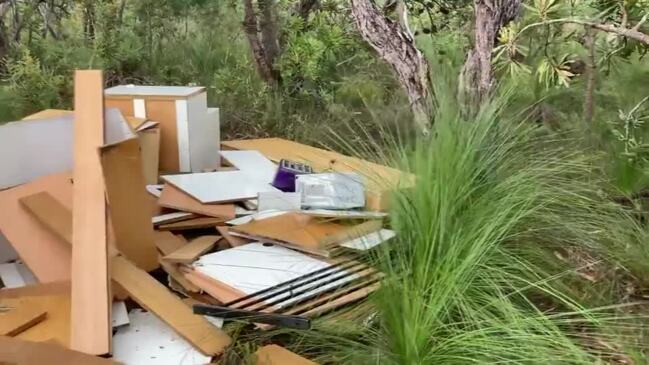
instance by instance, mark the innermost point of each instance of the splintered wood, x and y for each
(91, 326)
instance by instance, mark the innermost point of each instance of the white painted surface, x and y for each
(35, 148)
(182, 133)
(256, 216)
(140, 90)
(10, 276)
(119, 315)
(139, 108)
(28, 277)
(253, 163)
(203, 134)
(155, 190)
(219, 186)
(255, 266)
(149, 341)
(279, 200)
(370, 240)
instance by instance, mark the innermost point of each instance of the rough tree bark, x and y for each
(263, 39)
(396, 46)
(476, 78)
(591, 76)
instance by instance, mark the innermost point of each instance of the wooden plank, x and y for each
(191, 251)
(168, 242)
(53, 288)
(277, 355)
(174, 198)
(171, 218)
(46, 254)
(90, 326)
(339, 302)
(150, 146)
(379, 180)
(218, 290)
(196, 223)
(233, 241)
(20, 352)
(17, 315)
(352, 232)
(155, 297)
(127, 199)
(54, 215)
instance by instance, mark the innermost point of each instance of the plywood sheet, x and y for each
(124, 105)
(379, 179)
(127, 199)
(90, 295)
(277, 355)
(50, 212)
(174, 198)
(219, 186)
(46, 254)
(150, 147)
(155, 297)
(190, 252)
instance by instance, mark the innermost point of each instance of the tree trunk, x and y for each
(392, 41)
(591, 77)
(305, 7)
(476, 78)
(263, 39)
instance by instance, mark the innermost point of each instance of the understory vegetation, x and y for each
(526, 237)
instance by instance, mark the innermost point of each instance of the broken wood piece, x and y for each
(44, 253)
(174, 198)
(277, 355)
(195, 223)
(155, 297)
(90, 294)
(191, 251)
(168, 242)
(21, 352)
(56, 325)
(17, 315)
(233, 241)
(53, 288)
(121, 165)
(171, 218)
(352, 232)
(339, 302)
(178, 276)
(50, 212)
(216, 289)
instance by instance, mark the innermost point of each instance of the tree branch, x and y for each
(631, 33)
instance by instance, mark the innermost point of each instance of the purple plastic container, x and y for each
(285, 177)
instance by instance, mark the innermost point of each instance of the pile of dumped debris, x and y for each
(268, 232)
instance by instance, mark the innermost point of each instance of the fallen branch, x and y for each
(631, 33)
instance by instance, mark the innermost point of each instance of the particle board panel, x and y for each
(53, 288)
(174, 198)
(20, 352)
(171, 218)
(168, 242)
(150, 147)
(164, 112)
(216, 289)
(156, 298)
(50, 212)
(17, 315)
(191, 251)
(233, 241)
(195, 223)
(177, 275)
(277, 355)
(127, 200)
(46, 255)
(56, 325)
(90, 330)
(124, 105)
(379, 180)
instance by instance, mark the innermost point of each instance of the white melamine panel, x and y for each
(167, 91)
(253, 163)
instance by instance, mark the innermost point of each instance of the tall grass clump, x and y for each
(477, 273)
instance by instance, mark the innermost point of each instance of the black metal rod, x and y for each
(333, 267)
(304, 290)
(279, 320)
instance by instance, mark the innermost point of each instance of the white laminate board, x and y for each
(204, 134)
(35, 148)
(279, 200)
(182, 135)
(369, 241)
(163, 218)
(252, 162)
(344, 214)
(149, 341)
(219, 186)
(28, 276)
(10, 276)
(255, 216)
(256, 266)
(143, 90)
(155, 190)
(119, 314)
(139, 108)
